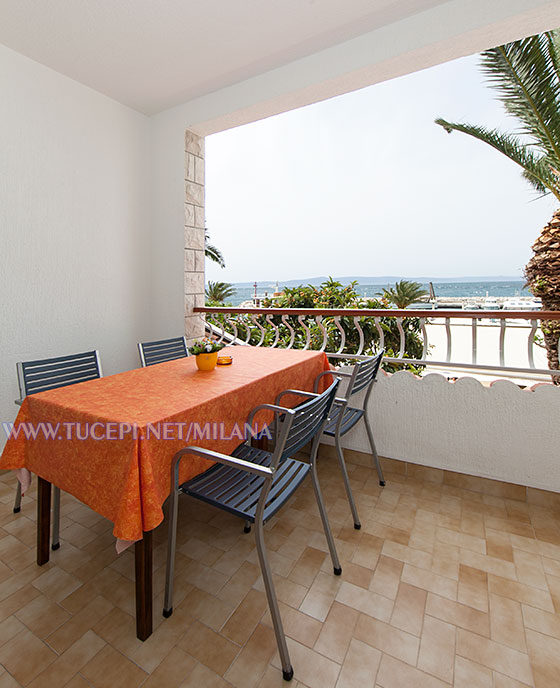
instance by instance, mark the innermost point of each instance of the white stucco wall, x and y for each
(500, 432)
(75, 204)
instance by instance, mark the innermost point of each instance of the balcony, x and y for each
(452, 580)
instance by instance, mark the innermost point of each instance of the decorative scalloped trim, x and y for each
(437, 378)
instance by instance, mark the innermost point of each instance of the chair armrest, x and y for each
(335, 373)
(298, 392)
(232, 461)
(267, 407)
(19, 402)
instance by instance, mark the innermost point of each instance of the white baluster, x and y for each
(286, 322)
(301, 321)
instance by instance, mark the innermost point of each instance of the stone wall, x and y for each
(194, 233)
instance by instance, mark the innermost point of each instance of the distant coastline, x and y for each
(381, 280)
(476, 288)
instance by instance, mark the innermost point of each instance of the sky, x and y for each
(367, 184)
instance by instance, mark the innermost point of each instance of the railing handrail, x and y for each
(386, 312)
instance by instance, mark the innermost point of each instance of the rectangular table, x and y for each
(110, 442)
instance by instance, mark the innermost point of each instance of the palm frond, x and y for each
(536, 167)
(218, 292)
(525, 75)
(212, 252)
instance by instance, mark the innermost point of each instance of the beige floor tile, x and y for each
(498, 545)
(501, 681)
(529, 569)
(201, 676)
(209, 647)
(365, 601)
(396, 674)
(387, 577)
(554, 588)
(288, 592)
(317, 604)
(458, 614)
(42, 616)
(437, 649)
(79, 624)
(543, 622)
(336, 632)
(506, 622)
(544, 652)
(452, 537)
(249, 666)
(166, 634)
(9, 628)
(473, 588)
(207, 608)
(241, 624)
(8, 681)
(491, 565)
(297, 625)
(56, 584)
(494, 656)
(469, 674)
(521, 593)
(110, 669)
(408, 612)
(430, 581)
(388, 639)
(310, 668)
(360, 666)
(25, 656)
(368, 551)
(66, 666)
(119, 630)
(239, 584)
(357, 575)
(407, 555)
(307, 566)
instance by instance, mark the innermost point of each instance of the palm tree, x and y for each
(526, 75)
(210, 251)
(219, 292)
(403, 293)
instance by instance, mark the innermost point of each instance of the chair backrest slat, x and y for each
(307, 420)
(50, 373)
(162, 350)
(365, 373)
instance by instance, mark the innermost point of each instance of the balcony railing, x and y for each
(292, 328)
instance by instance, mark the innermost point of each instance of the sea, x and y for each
(442, 289)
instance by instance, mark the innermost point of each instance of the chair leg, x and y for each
(17, 502)
(171, 545)
(374, 451)
(326, 526)
(287, 670)
(56, 519)
(247, 527)
(342, 463)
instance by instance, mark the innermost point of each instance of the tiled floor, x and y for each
(441, 586)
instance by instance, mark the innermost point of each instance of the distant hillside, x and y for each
(384, 279)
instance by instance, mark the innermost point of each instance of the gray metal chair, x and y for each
(162, 350)
(51, 373)
(344, 417)
(254, 484)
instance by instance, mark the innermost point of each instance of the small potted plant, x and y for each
(206, 352)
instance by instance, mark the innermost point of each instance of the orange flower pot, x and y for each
(207, 361)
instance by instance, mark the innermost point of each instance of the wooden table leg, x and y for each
(43, 521)
(143, 570)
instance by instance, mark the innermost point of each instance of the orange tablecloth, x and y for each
(126, 478)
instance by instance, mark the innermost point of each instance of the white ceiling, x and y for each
(154, 54)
